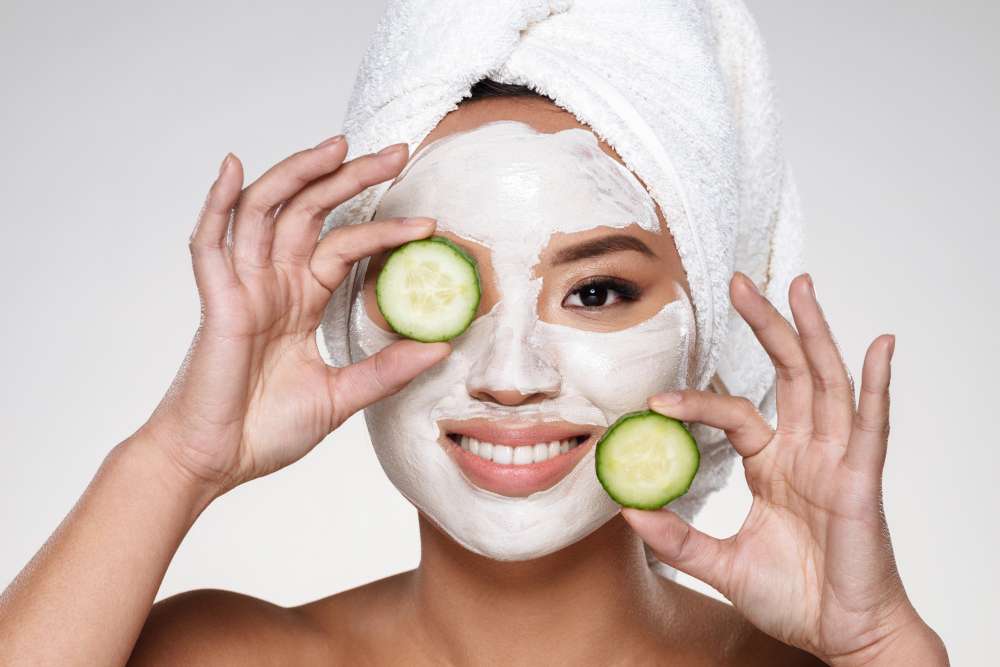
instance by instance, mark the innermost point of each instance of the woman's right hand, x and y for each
(253, 393)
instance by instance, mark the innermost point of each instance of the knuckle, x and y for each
(878, 427)
(829, 384)
(792, 372)
(198, 247)
(311, 209)
(354, 179)
(379, 370)
(877, 391)
(339, 398)
(747, 407)
(254, 200)
(363, 172)
(681, 541)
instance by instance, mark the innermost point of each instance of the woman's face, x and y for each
(584, 314)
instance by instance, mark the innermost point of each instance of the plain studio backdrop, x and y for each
(118, 114)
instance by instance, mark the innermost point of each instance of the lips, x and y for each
(515, 458)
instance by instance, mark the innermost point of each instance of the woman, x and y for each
(510, 571)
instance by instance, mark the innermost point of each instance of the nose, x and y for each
(513, 370)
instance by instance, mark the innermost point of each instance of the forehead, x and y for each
(540, 114)
(495, 178)
(528, 159)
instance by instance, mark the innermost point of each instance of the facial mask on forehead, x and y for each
(509, 187)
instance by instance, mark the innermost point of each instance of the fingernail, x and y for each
(422, 222)
(751, 283)
(391, 150)
(812, 288)
(667, 398)
(225, 163)
(892, 346)
(330, 142)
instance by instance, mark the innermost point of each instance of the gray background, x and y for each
(118, 114)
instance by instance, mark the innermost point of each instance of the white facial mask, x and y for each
(509, 187)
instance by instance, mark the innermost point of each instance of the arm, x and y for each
(252, 396)
(84, 597)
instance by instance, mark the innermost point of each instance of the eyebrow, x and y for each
(602, 246)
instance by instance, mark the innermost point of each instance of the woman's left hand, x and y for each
(812, 565)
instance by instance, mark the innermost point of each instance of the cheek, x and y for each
(617, 371)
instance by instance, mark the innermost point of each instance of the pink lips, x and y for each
(516, 480)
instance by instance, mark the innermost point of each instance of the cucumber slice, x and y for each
(645, 460)
(428, 289)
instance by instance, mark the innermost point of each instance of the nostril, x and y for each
(508, 397)
(510, 369)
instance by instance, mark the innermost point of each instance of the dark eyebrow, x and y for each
(602, 246)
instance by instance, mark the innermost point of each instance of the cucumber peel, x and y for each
(645, 460)
(428, 289)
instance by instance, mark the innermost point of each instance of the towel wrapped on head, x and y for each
(680, 89)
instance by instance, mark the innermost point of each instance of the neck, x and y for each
(597, 595)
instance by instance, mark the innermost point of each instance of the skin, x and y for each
(810, 574)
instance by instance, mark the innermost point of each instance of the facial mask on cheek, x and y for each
(509, 187)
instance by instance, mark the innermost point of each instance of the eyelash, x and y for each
(625, 290)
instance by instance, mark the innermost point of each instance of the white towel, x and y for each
(681, 89)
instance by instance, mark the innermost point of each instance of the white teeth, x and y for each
(520, 455)
(486, 450)
(502, 454)
(524, 455)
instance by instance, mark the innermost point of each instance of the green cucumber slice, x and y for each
(428, 289)
(645, 460)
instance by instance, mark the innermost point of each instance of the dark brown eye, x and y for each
(600, 293)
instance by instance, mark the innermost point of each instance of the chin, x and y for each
(500, 527)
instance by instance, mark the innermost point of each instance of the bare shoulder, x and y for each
(218, 627)
(368, 621)
(732, 639)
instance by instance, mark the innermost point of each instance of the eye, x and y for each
(600, 292)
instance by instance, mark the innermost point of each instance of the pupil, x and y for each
(594, 295)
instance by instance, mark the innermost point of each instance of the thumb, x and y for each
(382, 374)
(680, 545)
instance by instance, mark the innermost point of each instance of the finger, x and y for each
(833, 395)
(745, 427)
(680, 545)
(781, 342)
(870, 432)
(210, 254)
(253, 228)
(300, 221)
(382, 374)
(343, 246)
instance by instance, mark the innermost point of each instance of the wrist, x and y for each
(908, 641)
(146, 450)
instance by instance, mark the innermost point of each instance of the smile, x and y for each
(515, 455)
(515, 458)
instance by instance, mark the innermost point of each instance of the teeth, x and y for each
(502, 454)
(524, 455)
(486, 450)
(520, 455)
